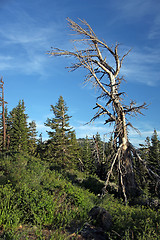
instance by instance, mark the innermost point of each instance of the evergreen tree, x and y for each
(145, 149)
(32, 142)
(154, 163)
(7, 128)
(18, 128)
(87, 157)
(75, 151)
(150, 151)
(41, 148)
(99, 155)
(99, 147)
(109, 148)
(142, 175)
(155, 152)
(1, 128)
(59, 146)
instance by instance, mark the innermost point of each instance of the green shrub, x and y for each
(49, 199)
(93, 184)
(134, 222)
(56, 208)
(10, 215)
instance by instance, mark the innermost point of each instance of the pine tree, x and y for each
(100, 157)
(155, 152)
(19, 131)
(58, 146)
(7, 128)
(32, 142)
(75, 151)
(150, 151)
(41, 148)
(154, 163)
(1, 128)
(142, 175)
(99, 147)
(145, 149)
(87, 157)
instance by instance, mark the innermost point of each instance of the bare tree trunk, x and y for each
(127, 183)
(94, 58)
(3, 113)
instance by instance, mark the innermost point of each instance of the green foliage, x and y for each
(22, 169)
(39, 197)
(32, 142)
(155, 152)
(93, 156)
(61, 146)
(132, 222)
(150, 151)
(53, 196)
(18, 128)
(1, 127)
(41, 208)
(74, 148)
(10, 214)
(93, 184)
(87, 157)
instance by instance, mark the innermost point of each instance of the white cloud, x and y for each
(83, 130)
(155, 29)
(41, 127)
(26, 41)
(143, 11)
(146, 130)
(133, 10)
(142, 65)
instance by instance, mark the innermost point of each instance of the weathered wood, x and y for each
(2, 102)
(106, 79)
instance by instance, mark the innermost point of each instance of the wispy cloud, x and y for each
(134, 9)
(83, 130)
(146, 129)
(26, 41)
(24, 54)
(142, 65)
(155, 29)
(41, 127)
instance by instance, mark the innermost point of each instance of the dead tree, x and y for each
(96, 58)
(98, 161)
(2, 103)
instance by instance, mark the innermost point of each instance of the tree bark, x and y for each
(3, 113)
(105, 77)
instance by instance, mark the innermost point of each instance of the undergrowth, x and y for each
(38, 202)
(136, 222)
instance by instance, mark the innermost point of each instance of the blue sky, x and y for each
(28, 29)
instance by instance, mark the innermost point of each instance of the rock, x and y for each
(101, 217)
(101, 222)
(90, 232)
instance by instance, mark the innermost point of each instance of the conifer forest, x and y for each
(79, 188)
